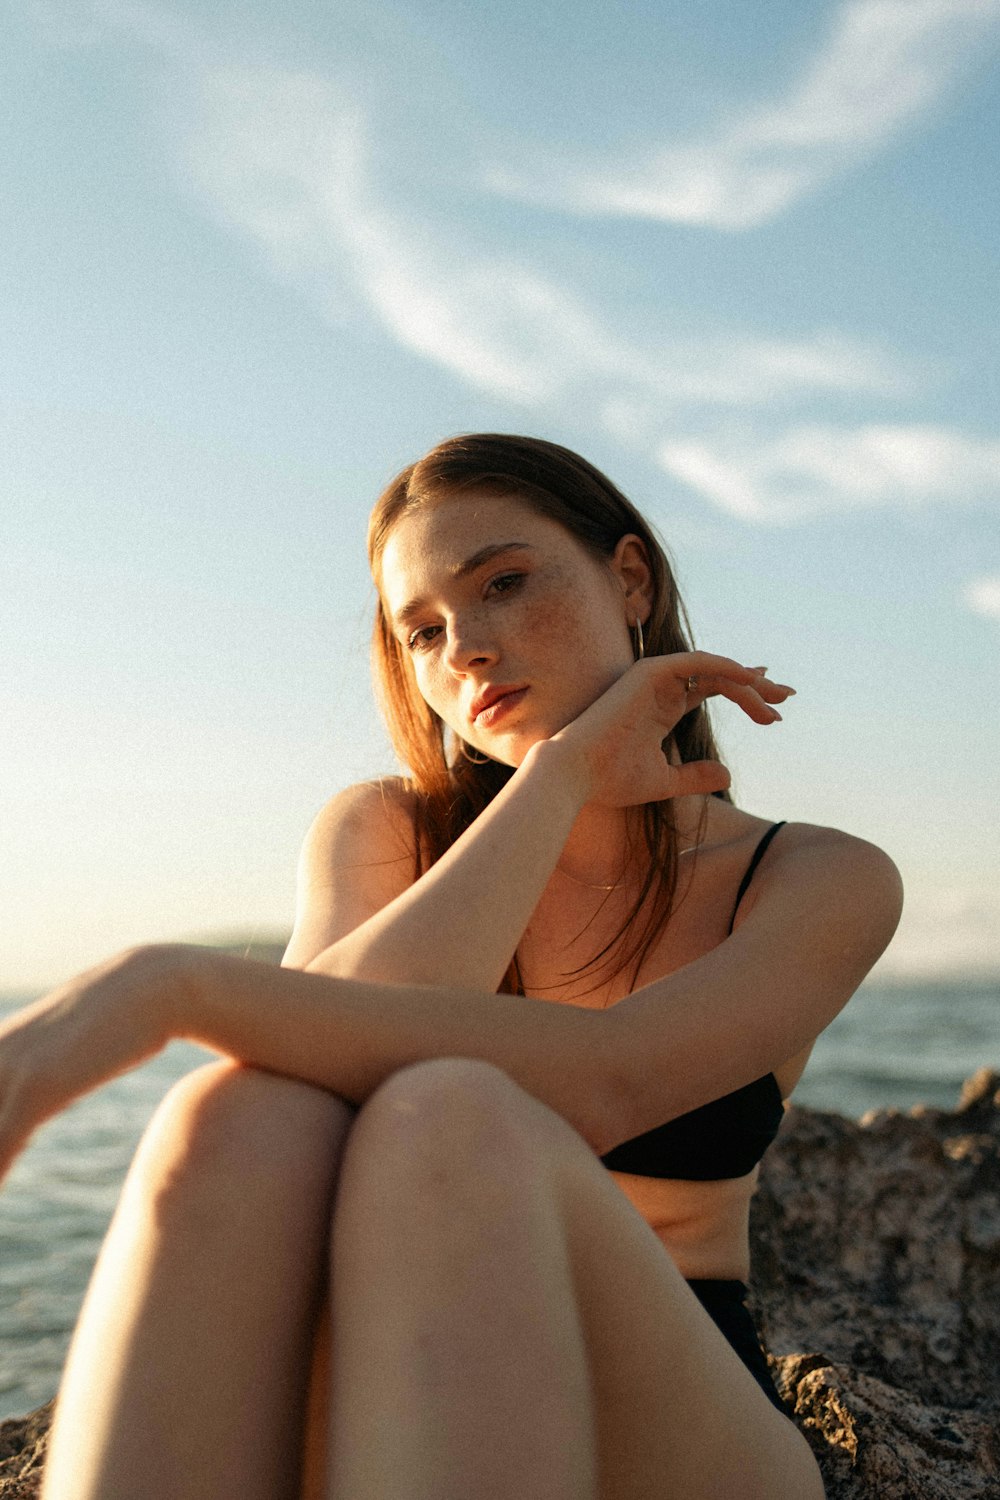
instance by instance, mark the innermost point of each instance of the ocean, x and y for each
(894, 1046)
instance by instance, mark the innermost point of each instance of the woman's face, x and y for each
(488, 598)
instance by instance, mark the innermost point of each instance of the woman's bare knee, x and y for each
(456, 1111)
(224, 1130)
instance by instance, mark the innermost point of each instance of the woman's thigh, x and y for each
(675, 1410)
(190, 1364)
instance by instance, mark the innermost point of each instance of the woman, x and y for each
(375, 1250)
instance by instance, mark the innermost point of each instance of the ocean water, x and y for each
(893, 1047)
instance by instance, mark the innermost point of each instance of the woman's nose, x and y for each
(469, 643)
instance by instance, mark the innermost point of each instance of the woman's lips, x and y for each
(489, 716)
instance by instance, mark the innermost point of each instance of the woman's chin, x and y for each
(509, 746)
(505, 749)
(512, 748)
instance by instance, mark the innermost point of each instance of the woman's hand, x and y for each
(615, 746)
(100, 1024)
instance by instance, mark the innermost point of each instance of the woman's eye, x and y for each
(505, 582)
(421, 637)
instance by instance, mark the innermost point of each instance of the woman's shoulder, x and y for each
(780, 853)
(388, 795)
(839, 869)
(735, 828)
(357, 858)
(817, 841)
(367, 821)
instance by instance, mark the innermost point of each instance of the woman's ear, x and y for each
(630, 565)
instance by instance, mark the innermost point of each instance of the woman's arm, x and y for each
(462, 921)
(819, 913)
(820, 918)
(343, 1035)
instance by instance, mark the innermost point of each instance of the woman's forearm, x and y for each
(460, 924)
(347, 1035)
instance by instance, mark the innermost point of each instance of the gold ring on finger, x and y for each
(691, 685)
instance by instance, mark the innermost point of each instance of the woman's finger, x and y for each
(699, 778)
(685, 664)
(755, 704)
(704, 674)
(756, 697)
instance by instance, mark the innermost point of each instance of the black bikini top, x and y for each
(726, 1137)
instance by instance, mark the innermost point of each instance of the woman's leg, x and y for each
(458, 1365)
(188, 1372)
(505, 1324)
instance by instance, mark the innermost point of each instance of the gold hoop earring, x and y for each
(640, 645)
(474, 760)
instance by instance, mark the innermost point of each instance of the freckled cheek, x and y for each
(548, 626)
(584, 640)
(556, 635)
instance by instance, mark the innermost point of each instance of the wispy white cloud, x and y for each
(809, 470)
(884, 63)
(982, 596)
(284, 158)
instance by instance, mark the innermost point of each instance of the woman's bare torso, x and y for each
(703, 1225)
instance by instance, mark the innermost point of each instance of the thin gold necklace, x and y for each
(589, 885)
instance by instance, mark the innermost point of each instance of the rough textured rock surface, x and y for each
(877, 1283)
(22, 1452)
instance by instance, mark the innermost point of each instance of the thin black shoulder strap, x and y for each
(758, 855)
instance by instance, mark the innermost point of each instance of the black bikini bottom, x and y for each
(725, 1303)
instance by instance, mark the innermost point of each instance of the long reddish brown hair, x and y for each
(448, 789)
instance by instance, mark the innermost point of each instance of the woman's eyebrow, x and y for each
(460, 570)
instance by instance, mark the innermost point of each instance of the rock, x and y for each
(23, 1441)
(877, 1286)
(877, 1289)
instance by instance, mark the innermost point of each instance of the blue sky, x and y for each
(256, 258)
